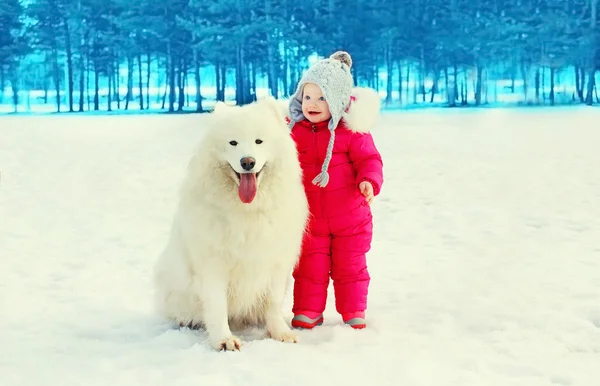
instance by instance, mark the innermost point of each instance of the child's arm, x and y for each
(367, 161)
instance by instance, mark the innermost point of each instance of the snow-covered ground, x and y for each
(485, 266)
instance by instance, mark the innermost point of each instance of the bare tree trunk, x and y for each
(537, 85)
(148, 77)
(589, 99)
(390, 71)
(110, 89)
(285, 85)
(81, 84)
(218, 81)
(96, 87)
(400, 82)
(422, 74)
(240, 73)
(272, 77)
(543, 85)
(407, 84)
(552, 76)
(465, 95)
(251, 83)
(171, 77)
(579, 83)
(129, 95)
(513, 73)
(223, 81)
(198, 81)
(2, 82)
(69, 50)
(254, 78)
(240, 91)
(478, 84)
(524, 71)
(455, 72)
(14, 83)
(140, 81)
(434, 85)
(82, 37)
(46, 89)
(88, 77)
(116, 79)
(56, 73)
(450, 89)
(181, 80)
(82, 87)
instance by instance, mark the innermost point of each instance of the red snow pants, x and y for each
(334, 247)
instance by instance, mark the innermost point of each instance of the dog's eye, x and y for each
(258, 141)
(233, 143)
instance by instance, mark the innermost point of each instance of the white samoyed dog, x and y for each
(238, 228)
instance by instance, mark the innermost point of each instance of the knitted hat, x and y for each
(333, 76)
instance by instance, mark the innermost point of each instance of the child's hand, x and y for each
(367, 190)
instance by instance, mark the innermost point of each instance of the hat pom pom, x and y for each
(343, 57)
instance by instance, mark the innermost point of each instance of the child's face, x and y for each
(314, 106)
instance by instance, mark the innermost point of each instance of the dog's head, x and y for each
(245, 140)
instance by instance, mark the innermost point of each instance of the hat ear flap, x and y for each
(295, 106)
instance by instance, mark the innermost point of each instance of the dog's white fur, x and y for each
(228, 264)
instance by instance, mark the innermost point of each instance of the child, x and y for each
(342, 173)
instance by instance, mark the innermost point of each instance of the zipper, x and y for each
(317, 168)
(314, 131)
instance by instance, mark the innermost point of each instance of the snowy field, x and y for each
(485, 266)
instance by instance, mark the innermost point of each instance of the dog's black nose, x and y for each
(248, 163)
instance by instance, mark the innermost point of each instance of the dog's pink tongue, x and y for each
(247, 190)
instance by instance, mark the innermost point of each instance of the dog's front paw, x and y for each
(231, 343)
(285, 335)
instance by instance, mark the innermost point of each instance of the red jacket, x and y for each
(355, 157)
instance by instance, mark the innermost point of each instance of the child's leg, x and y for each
(351, 242)
(311, 275)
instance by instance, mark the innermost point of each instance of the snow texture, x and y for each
(485, 265)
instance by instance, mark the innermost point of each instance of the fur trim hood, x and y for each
(364, 110)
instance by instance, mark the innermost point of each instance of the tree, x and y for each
(594, 42)
(13, 46)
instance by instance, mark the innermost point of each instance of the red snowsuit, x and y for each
(340, 227)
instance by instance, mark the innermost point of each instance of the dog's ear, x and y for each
(219, 106)
(278, 107)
